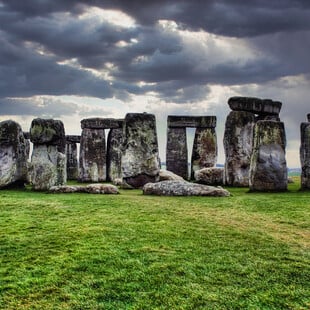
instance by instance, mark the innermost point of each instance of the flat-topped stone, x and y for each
(255, 105)
(73, 138)
(101, 123)
(49, 132)
(191, 121)
(308, 116)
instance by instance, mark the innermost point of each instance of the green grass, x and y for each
(129, 251)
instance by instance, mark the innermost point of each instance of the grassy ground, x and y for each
(82, 251)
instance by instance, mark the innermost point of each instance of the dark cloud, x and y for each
(48, 47)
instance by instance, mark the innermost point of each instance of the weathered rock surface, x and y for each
(100, 123)
(255, 105)
(177, 121)
(166, 175)
(73, 138)
(92, 156)
(183, 188)
(268, 171)
(114, 154)
(305, 155)
(90, 189)
(238, 137)
(72, 161)
(210, 176)
(47, 168)
(204, 152)
(140, 157)
(176, 152)
(48, 132)
(14, 151)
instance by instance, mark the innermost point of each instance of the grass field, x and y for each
(129, 251)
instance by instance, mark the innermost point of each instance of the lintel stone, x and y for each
(101, 123)
(73, 138)
(255, 105)
(191, 121)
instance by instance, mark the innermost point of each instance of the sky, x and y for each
(71, 60)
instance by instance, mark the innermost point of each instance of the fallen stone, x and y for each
(49, 132)
(14, 152)
(268, 171)
(183, 188)
(140, 157)
(210, 176)
(255, 105)
(90, 189)
(176, 121)
(166, 175)
(238, 137)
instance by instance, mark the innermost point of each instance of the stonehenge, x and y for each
(254, 145)
(204, 152)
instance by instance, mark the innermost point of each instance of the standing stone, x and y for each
(48, 160)
(14, 151)
(92, 155)
(114, 153)
(72, 162)
(305, 155)
(268, 170)
(204, 153)
(308, 116)
(140, 157)
(176, 151)
(238, 137)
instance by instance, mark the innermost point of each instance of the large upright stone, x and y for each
(305, 155)
(255, 105)
(268, 170)
(140, 157)
(176, 151)
(48, 160)
(204, 153)
(238, 137)
(308, 116)
(14, 151)
(114, 153)
(92, 156)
